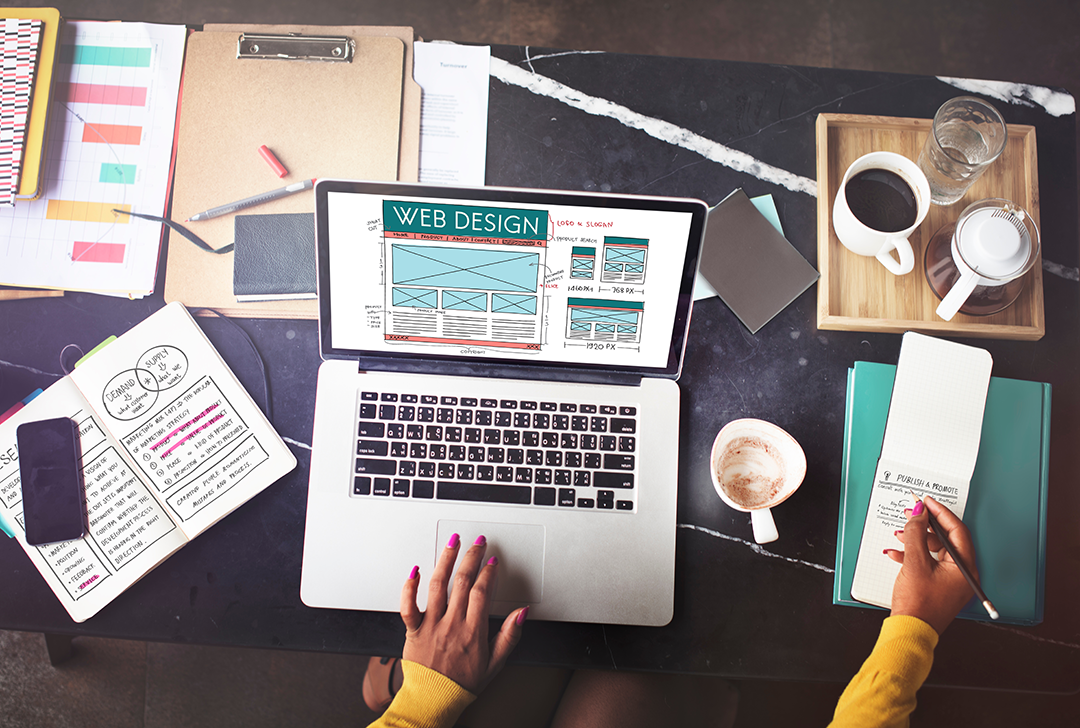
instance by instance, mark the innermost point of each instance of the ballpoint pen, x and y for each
(250, 201)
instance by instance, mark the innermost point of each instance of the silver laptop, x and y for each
(499, 362)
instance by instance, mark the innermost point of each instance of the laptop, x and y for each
(499, 362)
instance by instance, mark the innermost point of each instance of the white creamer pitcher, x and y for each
(991, 246)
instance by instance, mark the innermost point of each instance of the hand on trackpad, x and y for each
(519, 548)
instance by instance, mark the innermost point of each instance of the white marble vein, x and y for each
(530, 58)
(1028, 635)
(1056, 103)
(1070, 274)
(32, 370)
(756, 548)
(657, 128)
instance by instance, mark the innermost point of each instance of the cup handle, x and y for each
(903, 250)
(957, 295)
(764, 526)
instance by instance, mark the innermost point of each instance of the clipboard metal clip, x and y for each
(295, 47)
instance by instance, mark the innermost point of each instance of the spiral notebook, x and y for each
(931, 444)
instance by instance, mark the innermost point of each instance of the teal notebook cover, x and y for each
(1006, 507)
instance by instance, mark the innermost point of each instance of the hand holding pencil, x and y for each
(930, 589)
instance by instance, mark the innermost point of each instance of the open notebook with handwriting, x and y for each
(931, 444)
(171, 443)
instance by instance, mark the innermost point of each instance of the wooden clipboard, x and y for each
(354, 120)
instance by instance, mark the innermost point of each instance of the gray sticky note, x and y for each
(753, 268)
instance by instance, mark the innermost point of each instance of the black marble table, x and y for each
(661, 126)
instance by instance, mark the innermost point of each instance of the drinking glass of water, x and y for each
(967, 136)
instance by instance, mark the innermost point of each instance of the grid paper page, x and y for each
(109, 146)
(931, 444)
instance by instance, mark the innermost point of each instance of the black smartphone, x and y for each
(54, 500)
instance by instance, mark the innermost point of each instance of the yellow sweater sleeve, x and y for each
(882, 693)
(427, 699)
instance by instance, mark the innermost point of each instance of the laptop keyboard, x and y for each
(521, 452)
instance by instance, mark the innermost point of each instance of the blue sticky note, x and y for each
(767, 207)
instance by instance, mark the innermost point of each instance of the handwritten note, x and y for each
(170, 443)
(931, 442)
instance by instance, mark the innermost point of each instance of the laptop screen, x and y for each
(553, 279)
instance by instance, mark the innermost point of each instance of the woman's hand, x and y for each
(451, 637)
(932, 590)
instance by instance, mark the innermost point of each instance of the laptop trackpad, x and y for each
(520, 548)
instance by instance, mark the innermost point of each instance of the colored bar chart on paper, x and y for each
(86, 211)
(102, 93)
(111, 134)
(120, 174)
(109, 152)
(92, 55)
(98, 252)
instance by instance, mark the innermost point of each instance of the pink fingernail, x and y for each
(522, 616)
(414, 573)
(493, 561)
(453, 542)
(480, 541)
(918, 509)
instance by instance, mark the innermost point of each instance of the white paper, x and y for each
(453, 115)
(931, 444)
(109, 145)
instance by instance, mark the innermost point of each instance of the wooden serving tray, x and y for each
(856, 293)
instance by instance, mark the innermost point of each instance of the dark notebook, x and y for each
(753, 268)
(274, 257)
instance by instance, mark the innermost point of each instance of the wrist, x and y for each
(936, 622)
(428, 698)
(908, 644)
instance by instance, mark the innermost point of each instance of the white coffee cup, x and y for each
(861, 238)
(755, 466)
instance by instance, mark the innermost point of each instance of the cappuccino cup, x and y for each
(755, 466)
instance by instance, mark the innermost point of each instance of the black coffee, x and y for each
(882, 200)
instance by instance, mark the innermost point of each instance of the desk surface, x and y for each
(649, 125)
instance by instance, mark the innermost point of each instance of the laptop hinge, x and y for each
(459, 369)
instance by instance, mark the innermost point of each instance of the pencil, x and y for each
(960, 565)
